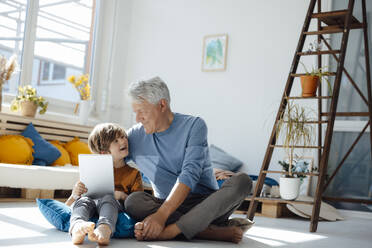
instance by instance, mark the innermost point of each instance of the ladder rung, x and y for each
(336, 13)
(311, 97)
(304, 74)
(311, 122)
(306, 147)
(319, 52)
(336, 27)
(346, 114)
(287, 173)
(329, 31)
(279, 200)
(337, 17)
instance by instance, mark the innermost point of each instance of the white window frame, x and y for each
(58, 109)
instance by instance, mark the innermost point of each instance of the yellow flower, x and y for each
(81, 85)
(71, 79)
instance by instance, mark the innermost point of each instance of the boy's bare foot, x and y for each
(138, 229)
(79, 231)
(232, 234)
(101, 234)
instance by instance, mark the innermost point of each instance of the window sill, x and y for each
(54, 116)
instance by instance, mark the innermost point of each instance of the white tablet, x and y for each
(97, 173)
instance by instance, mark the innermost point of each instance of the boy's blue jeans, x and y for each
(106, 207)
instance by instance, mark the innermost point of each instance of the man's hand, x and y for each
(78, 190)
(153, 225)
(120, 195)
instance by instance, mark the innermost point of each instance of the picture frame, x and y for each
(214, 52)
(305, 187)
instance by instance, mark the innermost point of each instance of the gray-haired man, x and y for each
(171, 149)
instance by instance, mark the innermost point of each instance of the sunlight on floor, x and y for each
(157, 246)
(277, 237)
(16, 231)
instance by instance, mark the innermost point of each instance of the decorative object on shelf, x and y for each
(310, 81)
(214, 52)
(85, 107)
(294, 128)
(7, 68)
(300, 165)
(28, 101)
(81, 84)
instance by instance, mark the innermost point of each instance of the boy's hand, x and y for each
(78, 190)
(120, 195)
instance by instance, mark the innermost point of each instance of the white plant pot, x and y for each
(289, 188)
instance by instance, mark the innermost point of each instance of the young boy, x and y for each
(106, 138)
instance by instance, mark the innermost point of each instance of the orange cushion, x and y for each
(65, 157)
(16, 149)
(76, 147)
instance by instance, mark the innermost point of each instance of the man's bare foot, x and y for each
(243, 223)
(101, 234)
(232, 234)
(80, 230)
(138, 229)
(169, 232)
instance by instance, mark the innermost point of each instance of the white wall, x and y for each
(165, 37)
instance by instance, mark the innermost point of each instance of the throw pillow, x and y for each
(65, 157)
(222, 160)
(58, 214)
(16, 149)
(76, 147)
(45, 153)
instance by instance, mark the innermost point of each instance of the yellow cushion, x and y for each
(76, 147)
(16, 149)
(64, 158)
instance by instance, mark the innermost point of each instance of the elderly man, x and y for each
(171, 149)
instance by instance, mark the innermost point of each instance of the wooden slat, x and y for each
(304, 74)
(6, 118)
(319, 52)
(311, 122)
(333, 27)
(347, 114)
(49, 130)
(337, 17)
(305, 147)
(336, 13)
(287, 173)
(330, 31)
(268, 199)
(312, 97)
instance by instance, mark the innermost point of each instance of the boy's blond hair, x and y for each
(103, 135)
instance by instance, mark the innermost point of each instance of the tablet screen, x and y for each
(97, 173)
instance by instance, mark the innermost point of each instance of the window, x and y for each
(57, 37)
(12, 27)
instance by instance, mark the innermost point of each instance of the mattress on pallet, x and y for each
(38, 177)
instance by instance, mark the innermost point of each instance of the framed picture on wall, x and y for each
(214, 52)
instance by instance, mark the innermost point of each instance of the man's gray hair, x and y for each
(151, 90)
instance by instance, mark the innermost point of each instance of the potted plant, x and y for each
(295, 130)
(28, 101)
(310, 81)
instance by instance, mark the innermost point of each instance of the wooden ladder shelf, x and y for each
(341, 21)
